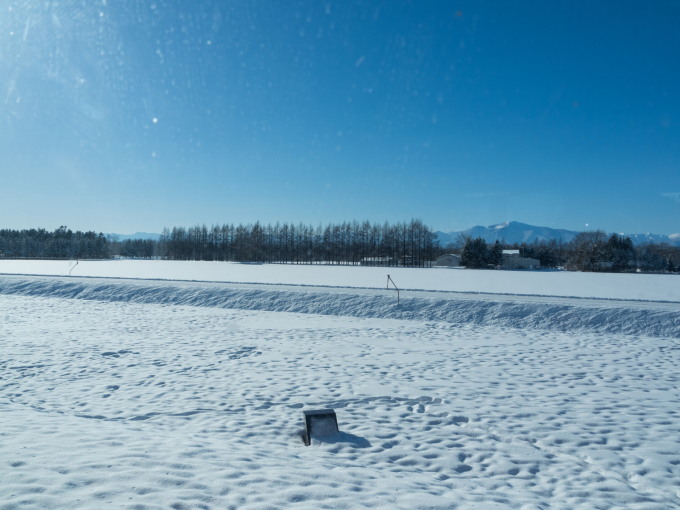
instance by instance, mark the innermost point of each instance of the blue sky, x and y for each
(131, 116)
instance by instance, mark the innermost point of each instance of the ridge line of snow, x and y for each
(350, 288)
(551, 314)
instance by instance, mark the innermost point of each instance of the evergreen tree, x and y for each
(496, 254)
(475, 253)
(619, 253)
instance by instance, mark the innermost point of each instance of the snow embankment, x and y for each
(515, 311)
(646, 287)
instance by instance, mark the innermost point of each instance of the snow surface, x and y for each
(547, 283)
(118, 393)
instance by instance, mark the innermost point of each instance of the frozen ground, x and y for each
(139, 394)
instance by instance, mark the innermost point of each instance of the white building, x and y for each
(513, 260)
(449, 260)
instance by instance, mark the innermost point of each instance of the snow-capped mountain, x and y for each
(515, 232)
(673, 239)
(509, 232)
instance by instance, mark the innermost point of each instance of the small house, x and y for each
(513, 260)
(449, 260)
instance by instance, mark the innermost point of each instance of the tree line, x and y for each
(61, 243)
(588, 251)
(410, 244)
(347, 243)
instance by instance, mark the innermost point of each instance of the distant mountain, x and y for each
(137, 235)
(515, 232)
(673, 239)
(509, 232)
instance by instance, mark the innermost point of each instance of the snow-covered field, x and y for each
(551, 283)
(480, 389)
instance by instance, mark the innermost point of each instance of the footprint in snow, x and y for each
(243, 352)
(118, 354)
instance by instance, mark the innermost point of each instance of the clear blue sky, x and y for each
(121, 116)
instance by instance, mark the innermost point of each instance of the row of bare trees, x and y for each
(349, 243)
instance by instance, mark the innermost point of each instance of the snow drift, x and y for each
(657, 319)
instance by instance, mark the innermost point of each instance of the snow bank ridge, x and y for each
(611, 317)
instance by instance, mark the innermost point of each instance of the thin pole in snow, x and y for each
(389, 279)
